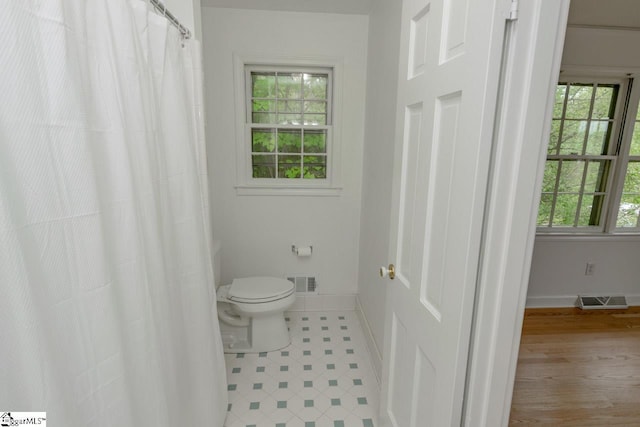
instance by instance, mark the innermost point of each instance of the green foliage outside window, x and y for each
(289, 116)
(575, 183)
(580, 160)
(629, 209)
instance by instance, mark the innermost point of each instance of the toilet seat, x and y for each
(258, 290)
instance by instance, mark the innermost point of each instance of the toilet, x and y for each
(251, 313)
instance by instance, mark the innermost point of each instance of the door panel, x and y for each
(400, 382)
(447, 91)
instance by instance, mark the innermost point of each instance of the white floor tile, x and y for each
(323, 379)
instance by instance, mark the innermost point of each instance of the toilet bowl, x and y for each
(251, 313)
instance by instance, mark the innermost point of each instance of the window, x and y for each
(629, 208)
(584, 187)
(289, 118)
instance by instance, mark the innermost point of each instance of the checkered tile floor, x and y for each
(323, 379)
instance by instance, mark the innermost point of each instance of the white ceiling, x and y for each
(357, 7)
(605, 13)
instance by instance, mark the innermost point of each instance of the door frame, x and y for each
(531, 69)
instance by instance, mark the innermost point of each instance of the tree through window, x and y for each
(586, 156)
(289, 115)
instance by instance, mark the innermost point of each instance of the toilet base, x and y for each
(264, 333)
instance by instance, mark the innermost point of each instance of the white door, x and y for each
(449, 72)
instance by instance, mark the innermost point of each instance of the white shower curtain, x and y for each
(105, 268)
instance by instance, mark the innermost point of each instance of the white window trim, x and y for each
(248, 186)
(619, 165)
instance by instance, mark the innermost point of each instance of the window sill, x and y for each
(589, 237)
(312, 191)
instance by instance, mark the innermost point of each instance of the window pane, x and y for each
(555, 136)
(263, 140)
(598, 137)
(289, 106)
(315, 107)
(262, 105)
(604, 103)
(550, 173)
(630, 203)
(629, 212)
(635, 140)
(586, 208)
(289, 166)
(571, 176)
(289, 85)
(264, 166)
(263, 85)
(315, 141)
(290, 141)
(290, 119)
(561, 90)
(632, 179)
(315, 167)
(596, 176)
(315, 86)
(263, 118)
(315, 113)
(565, 211)
(315, 119)
(579, 101)
(544, 211)
(573, 133)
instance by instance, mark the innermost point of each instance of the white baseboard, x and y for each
(550, 302)
(376, 357)
(568, 301)
(324, 303)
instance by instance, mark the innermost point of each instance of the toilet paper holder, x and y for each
(294, 249)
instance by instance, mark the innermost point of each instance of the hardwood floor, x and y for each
(578, 368)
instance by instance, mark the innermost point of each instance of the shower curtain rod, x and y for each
(160, 7)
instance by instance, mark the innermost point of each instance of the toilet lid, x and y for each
(260, 289)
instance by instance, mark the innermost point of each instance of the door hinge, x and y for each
(513, 11)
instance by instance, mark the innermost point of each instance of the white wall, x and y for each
(382, 68)
(558, 269)
(256, 232)
(558, 266)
